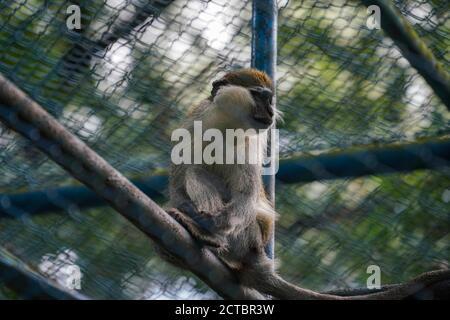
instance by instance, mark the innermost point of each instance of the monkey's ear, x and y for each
(216, 86)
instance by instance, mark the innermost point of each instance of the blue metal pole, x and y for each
(264, 58)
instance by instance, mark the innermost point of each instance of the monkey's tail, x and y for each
(279, 288)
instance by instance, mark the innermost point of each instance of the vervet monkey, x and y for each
(225, 205)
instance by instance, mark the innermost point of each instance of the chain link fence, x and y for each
(124, 81)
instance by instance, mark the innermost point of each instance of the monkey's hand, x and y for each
(204, 236)
(217, 223)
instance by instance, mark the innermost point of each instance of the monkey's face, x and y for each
(238, 107)
(244, 99)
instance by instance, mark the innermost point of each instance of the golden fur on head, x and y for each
(249, 78)
(245, 78)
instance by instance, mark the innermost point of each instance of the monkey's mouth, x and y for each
(263, 112)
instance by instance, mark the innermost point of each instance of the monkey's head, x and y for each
(244, 99)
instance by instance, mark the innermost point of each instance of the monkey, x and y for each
(223, 205)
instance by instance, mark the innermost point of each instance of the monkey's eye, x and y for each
(262, 93)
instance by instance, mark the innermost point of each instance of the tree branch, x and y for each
(79, 57)
(414, 49)
(439, 290)
(434, 154)
(57, 200)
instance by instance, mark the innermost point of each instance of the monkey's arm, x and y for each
(240, 211)
(205, 190)
(200, 197)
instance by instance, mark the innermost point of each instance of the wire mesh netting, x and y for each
(124, 81)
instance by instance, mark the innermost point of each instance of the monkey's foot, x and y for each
(202, 235)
